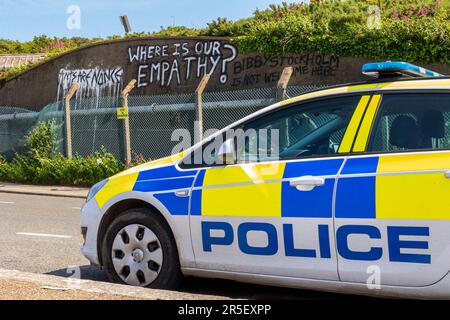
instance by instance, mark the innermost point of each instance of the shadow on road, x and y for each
(228, 288)
(86, 272)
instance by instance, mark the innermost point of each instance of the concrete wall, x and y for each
(170, 66)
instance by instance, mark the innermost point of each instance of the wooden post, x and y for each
(126, 120)
(283, 83)
(68, 123)
(199, 101)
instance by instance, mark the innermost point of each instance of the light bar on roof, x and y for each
(390, 69)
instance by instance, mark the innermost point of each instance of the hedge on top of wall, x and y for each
(406, 30)
(411, 30)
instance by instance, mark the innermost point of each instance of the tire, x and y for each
(150, 259)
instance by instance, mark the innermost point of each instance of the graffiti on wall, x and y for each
(91, 82)
(266, 70)
(163, 66)
(90, 78)
(178, 63)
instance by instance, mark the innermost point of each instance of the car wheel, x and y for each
(139, 249)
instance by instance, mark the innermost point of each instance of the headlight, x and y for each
(95, 188)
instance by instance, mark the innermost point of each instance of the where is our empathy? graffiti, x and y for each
(180, 62)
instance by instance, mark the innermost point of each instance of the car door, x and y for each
(270, 211)
(392, 208)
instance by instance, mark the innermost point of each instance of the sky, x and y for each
(24, 19)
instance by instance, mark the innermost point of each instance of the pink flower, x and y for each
(395, 14)
(424, 10)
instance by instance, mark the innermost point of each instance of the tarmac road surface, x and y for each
(41, 234)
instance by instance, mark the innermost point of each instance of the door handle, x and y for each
(307, 183)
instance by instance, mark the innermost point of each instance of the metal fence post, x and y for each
(283, 83)
(67, 119)
(126, 119)
(199, 102)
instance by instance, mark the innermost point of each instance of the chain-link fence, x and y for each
(15, 123)
(153, 120)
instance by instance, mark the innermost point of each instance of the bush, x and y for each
(407, 30)
(78, 170)
(42, 140)
(51, 47)
(42, 164)
(416, 31)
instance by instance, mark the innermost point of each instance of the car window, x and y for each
(309, 129)
(411, 122)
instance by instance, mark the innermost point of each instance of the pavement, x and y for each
(41, 235)
(31, 286)
(23, 290)
(55, 191)
(40, 246)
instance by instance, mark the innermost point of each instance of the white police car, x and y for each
(348, 192)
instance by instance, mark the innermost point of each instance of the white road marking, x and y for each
(6, 202)
(42, 235)
(75, 208)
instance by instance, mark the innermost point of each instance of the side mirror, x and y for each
(226, 153)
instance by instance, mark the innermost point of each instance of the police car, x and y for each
(352, 195)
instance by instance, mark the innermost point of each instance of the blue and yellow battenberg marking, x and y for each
(366, 124)
(115, 186)
(352, 129)
(378, 187)
(125, 181)
(355, 196)
(423, 195)
(243, 182)
(395, 187)
(263, 190)
(370, 187)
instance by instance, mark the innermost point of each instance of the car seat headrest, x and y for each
(404, 132)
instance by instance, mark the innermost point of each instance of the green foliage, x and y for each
(16, 70)
(223, 27)
(42, 140)
(407, 30)
(43, 165)
(42, 44)
(176, 31)
(400, 29)
(412, 30)
(78, 170)
(16, 47)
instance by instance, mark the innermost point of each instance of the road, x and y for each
(41, 234)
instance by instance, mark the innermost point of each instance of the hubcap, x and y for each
(137, 255)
